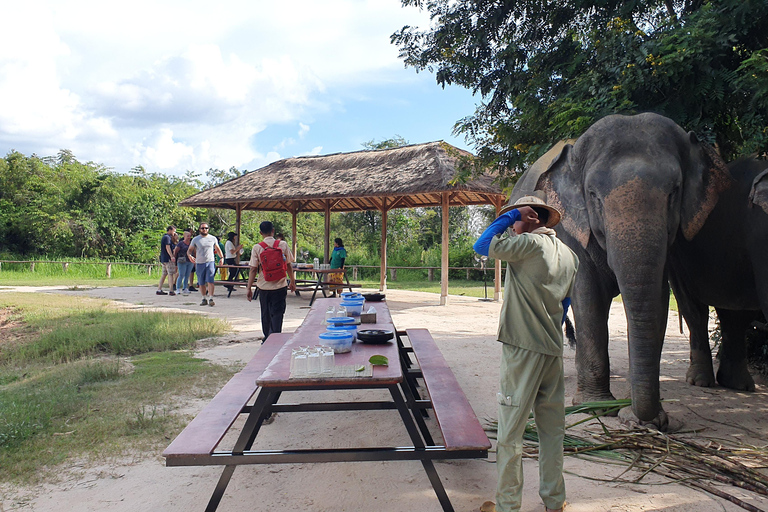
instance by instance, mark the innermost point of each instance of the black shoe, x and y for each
(192, 289)
(160, 292)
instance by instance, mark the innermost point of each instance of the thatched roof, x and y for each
(406, 177)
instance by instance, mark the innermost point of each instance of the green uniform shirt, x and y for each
(540, 273)
(338, 254)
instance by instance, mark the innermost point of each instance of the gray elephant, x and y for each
(724, 266)
(628, 187)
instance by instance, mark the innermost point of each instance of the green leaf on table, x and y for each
(379, 361)
(360, 368)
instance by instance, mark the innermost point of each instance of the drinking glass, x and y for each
(299, 362)
(329, 313)
(327, 360)
(313, 361)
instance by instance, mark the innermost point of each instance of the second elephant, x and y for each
(724, 266)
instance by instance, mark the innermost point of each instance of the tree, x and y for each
(548, 69)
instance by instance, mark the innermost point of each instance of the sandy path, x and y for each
(465, 331)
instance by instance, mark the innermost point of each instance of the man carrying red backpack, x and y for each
(271, 259)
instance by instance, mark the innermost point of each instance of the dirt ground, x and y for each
(465, 331)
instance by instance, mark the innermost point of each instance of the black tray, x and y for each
(375, 336)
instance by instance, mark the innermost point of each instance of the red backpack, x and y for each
(272, 261)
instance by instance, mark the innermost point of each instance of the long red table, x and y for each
(463, 435)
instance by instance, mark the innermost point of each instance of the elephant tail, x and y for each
(570, 333)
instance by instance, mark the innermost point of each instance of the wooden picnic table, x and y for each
(320, 282)
(240, 279)
(268, 375)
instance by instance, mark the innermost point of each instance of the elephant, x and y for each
(724, 266)
(628, 187)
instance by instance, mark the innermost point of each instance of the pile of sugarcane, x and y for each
(692, 460)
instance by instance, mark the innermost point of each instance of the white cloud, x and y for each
(184, 84)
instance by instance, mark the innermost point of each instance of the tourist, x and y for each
(183, 264)
(232, 251)
(541, 271)
(271, 259)
(202, 252)
(167, 261)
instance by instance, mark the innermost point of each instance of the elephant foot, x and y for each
(661, 422)
(582, 397)
(701, 375)
(735, 375)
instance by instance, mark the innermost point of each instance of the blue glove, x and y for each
(497, 227)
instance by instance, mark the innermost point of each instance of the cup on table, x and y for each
(299, 362)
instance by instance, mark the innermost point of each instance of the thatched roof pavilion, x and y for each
(413, 176)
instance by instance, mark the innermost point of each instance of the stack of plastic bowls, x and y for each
(354, 306)
(340, 342)
(345, 329)
(351, 295)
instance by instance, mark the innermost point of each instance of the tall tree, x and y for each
(547, 69)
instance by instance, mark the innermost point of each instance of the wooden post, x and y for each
(354, 273)
(444, 258)
(327, 247)
(467, 274)
(383, 273)
(393, 274)
(149, 270)
(109, 270)
(65, 266)
(294, 232)
(238, 218)
(32, 267)
(431, 274)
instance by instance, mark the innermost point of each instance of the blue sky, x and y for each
(177, 85)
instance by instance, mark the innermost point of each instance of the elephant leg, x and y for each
(591, 306)
(696, 314)
(700, 372)
(733, 371)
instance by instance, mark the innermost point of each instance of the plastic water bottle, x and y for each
(316, 265)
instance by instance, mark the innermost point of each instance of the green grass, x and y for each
(59, 403)
(79, 273)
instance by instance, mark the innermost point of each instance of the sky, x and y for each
(177, 86)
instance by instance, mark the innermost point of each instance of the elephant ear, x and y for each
(705, 179)
(563, 185)
(758, 194)
(526, 185)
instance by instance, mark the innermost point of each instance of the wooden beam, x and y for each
(326, 239)
(238, 218)
(444, 258)
(294, 242)
(383, 276)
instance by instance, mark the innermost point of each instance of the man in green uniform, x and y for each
(541, 271)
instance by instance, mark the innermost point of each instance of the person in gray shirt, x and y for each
(201, 252)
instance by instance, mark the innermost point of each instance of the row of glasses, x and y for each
(312, 361)
(337, 311)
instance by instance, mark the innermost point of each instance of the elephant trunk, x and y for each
(638, 259)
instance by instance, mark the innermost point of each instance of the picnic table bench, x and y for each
(266, 376)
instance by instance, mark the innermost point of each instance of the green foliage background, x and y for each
(548, 69)
(58, 207)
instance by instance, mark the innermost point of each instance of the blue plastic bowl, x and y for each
(338, 341)
(339, 320)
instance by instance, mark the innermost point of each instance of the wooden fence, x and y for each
(149, 267)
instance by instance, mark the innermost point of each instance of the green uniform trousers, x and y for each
(530, 380)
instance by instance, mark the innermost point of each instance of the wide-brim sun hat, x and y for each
(535, 202)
